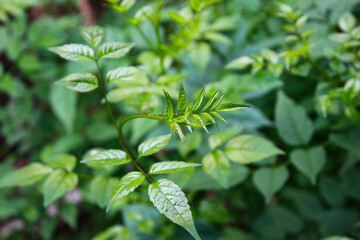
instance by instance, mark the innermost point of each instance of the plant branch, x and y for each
(119, 129)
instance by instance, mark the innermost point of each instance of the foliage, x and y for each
(285, 168)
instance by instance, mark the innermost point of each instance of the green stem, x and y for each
(119, 129)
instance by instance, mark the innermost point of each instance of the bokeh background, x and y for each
(38, 117)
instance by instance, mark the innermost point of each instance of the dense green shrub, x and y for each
(286, 168)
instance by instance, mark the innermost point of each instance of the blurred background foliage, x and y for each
(312, 192)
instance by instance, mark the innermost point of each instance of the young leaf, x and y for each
(210, 118)
(292, 123)
(25, 176)
(153, 145)
(200, 122)
(216, 103)
(176, 127)
(107, 157)
(65, 161)
(199, 100)
(57, 184)
(169, 107)
(125, 74)
(219, 117)
(226, 107)
(168, 198)
(181, 102)
(93, 35)
(195, 5)
(171, 167)
(177, 17)
(309, 161)
(220, 138)
(81, 82)
(270, 180)
(210, 101)
(74, 52)
(127, 184)
(101, 189)
(113, 50)
(217, 166)
(250, 148)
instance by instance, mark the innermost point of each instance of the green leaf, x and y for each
(171, 167)
(27, 175)
(210, 101)
(93, 35)
(101, 189)
(168, 198)
(74, 52)
(69, 214)
(113, 50)
(124, 74)
(347, 22)
(81, 82)
(217, 166)
(270, 180)
(63, 103)
(219, 117)
(195, 5)
(292, 123)
(309, 161)
(169, 106)
(176, 128)
(193, 141)
(57, 184)
(226, 107)
(199, 100)
(153, 145)
(182, 100)
(250, 148)
(216, 103)
(107, 157)
(240, 63)
(200, 122)
(127, 184)
(65, 161)
(177, 17)
(220, 138)
(210, 118)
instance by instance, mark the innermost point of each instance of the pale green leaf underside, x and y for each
(65, 161)
(270, 180)
(127, 184)
(93, 35)
(108, 157)
(153, 145)
(57, 184)
(113, 50)
(81, 82)
(25, 176)
(171, 167)
(168, 198)
(250, 148)
(309, 161)
(217, 166)
(75, 52)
